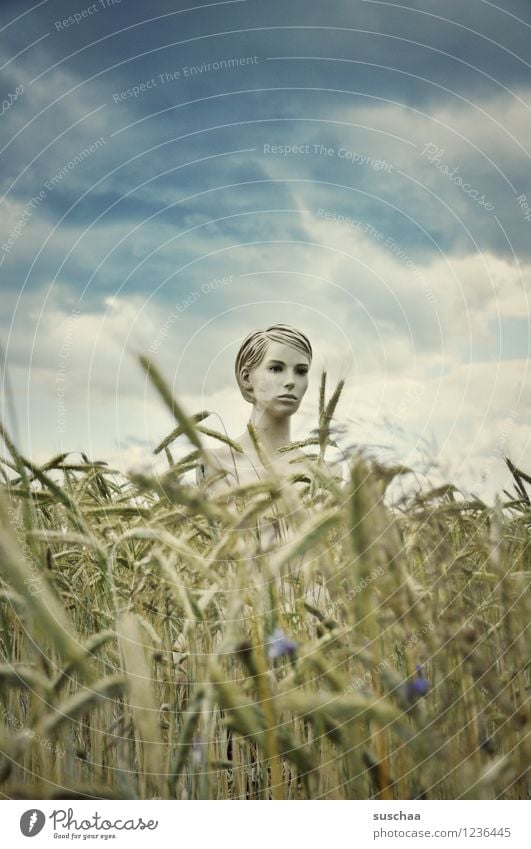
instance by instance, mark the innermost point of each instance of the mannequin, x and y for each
(271, 369)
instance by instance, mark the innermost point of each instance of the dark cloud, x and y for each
(233, 139)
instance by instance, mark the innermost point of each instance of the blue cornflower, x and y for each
(418, 686)
(279, 645)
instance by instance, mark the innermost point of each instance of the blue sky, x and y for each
(176, 176)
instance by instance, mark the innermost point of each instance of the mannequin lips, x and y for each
(290, 397)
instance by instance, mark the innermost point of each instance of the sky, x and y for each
(174, 176)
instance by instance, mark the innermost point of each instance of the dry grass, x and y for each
(151, 647)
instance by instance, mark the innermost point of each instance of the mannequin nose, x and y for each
(289, 384)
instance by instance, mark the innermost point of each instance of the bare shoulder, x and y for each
(220, 458)
(213, 461)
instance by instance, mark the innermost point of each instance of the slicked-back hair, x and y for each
(255, 345)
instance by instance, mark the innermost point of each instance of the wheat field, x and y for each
(157, 645)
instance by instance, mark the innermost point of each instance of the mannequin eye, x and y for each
(275, 368)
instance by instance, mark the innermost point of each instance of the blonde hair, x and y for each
(255, 345)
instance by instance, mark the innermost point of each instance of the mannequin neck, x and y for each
(273, 431)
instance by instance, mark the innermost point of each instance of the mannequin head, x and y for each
(272, 363)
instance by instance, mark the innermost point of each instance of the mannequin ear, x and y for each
(246, 381)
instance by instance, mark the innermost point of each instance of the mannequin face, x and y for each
(283, 371)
